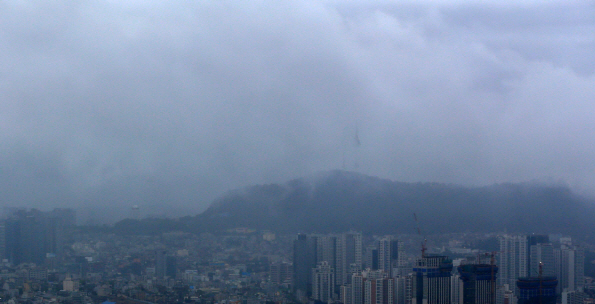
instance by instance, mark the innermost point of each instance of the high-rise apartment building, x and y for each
(456, 290)
(345, 294)
(573, 297)
(543, 254)
(349, 251)
(341, 253)
(32, 236)
(165, 265)
(385, 254)
(398, 258)
(304, 259)
(323, 286)
(390, 255)
(479, 283)
(326, 250)
(160, 263)
(371, 286)
(357, 288)
(379, 291)
(403, 289)
(513, 258)
(432, 280)
(523, 256)
(572, 268)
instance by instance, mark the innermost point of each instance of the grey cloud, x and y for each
(169, 104)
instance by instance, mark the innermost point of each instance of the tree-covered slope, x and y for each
(339, 200)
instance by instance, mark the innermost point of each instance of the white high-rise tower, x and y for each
(572, 268)
(323, 286)
(513, 263)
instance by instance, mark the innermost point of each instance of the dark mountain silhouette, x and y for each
(338, 201)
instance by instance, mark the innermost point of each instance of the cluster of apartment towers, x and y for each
(34, 236)
(528, 269)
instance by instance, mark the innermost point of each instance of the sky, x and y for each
(169, 104)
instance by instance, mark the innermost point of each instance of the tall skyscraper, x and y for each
(385, 254)
(349, 251)
(165, 265)
(542, 253)
(513, 259)
(479, 283)
(31, 235)
(572, 268)
(160, 263)
(323, 286)
(304, 259)
(326, 250)
(397, 257)
(432, 280)
(391, 257)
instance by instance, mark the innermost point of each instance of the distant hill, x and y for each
(337, 201)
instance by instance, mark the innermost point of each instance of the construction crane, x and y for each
(540, 283)
(492, 277)
(424, 240)
(492, 256)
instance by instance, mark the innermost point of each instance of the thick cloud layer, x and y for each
(168, 104)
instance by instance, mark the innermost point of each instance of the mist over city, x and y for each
(169, 105)
(316, 151)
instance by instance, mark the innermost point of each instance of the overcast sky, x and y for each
(171, 103)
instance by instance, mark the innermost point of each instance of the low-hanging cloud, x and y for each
(168, 104)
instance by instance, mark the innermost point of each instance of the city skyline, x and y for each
(43, 255)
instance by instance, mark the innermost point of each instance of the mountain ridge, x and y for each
(336, 201)
(341, 200)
